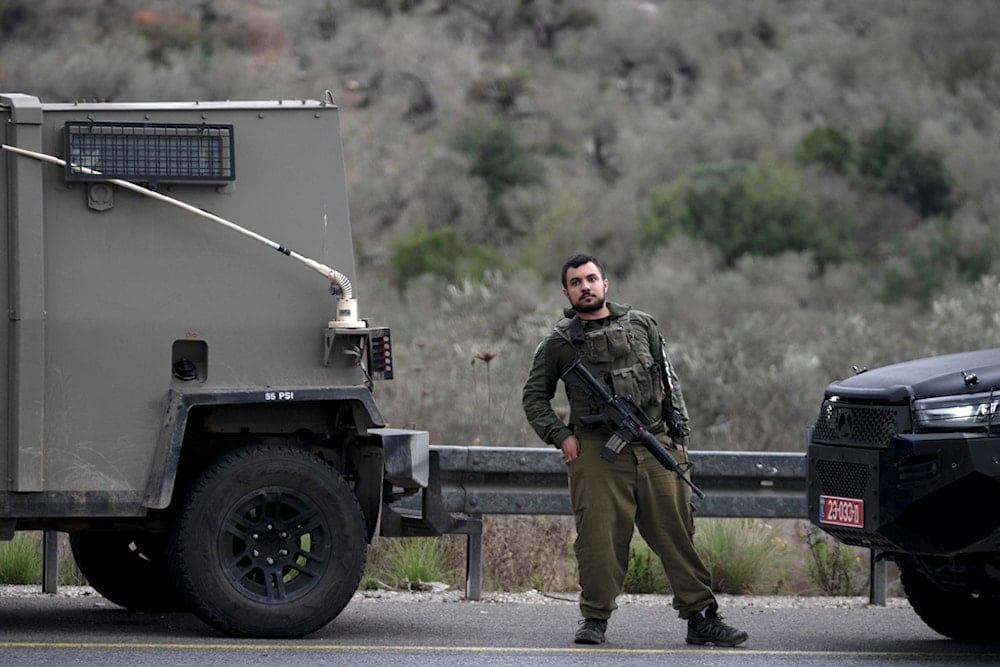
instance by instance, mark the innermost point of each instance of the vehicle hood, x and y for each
(923, 378)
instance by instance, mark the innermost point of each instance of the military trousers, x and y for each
(609, 501)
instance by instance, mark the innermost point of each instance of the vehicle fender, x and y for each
(160, 486)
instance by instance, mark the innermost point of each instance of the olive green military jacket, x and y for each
(556, 352)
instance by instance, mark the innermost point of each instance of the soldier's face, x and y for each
(585, 288)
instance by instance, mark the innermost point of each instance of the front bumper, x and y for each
(933, 494)
(407, 456)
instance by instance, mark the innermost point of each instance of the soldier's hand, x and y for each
(570, 448)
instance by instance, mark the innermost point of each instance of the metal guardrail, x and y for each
(467, 483)
(532, 480)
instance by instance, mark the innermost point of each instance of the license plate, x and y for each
(842, 511)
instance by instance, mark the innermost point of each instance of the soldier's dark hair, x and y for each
(580, 259)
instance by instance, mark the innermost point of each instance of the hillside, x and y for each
(791, 187)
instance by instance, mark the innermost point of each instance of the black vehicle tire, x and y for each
(126, 567)
(269, 542)
(961, 616)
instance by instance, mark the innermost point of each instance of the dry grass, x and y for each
(523, 553)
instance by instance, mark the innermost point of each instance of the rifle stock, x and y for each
(620, 414)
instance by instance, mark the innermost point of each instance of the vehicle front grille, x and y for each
(858, 425)
(842, 478)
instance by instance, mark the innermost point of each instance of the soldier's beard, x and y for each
(589, 307)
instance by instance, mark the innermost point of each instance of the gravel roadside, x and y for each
(746, 602)
(439, 593)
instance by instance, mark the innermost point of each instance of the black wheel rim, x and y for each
(274, 545)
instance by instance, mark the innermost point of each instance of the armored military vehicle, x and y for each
(905, 459)
(195, 409)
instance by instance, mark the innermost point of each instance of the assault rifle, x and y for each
(628, 420)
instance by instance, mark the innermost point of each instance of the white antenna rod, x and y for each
(345, 308)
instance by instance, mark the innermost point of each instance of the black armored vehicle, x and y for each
(905, 459)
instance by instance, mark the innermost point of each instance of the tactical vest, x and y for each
(618, 354)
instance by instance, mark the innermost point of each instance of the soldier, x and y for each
(623, 348)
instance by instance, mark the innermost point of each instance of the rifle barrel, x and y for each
(667, 460)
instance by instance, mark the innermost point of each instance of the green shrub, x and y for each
(645, 571)
(890, 161)
(934, 260)
(835, 568)
(439, 252)
(759, 209)
(497, 157)
(828, 146)
(411, 560)
(20, 559)
(741, 554)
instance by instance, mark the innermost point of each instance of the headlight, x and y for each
(957, 413)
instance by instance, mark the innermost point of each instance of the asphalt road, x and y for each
(442, 629)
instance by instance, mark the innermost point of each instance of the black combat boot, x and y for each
(706, 627)
(591, 631)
